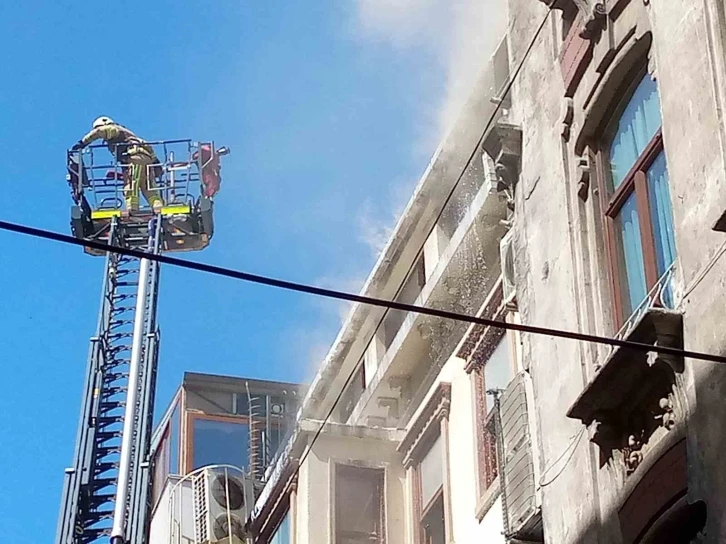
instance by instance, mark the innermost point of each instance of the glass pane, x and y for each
(628, 225)
(220, 443)
(497, 370)
(661, 213)
(282, 535)
(661, 216)
(434, 524)
(174, 441)
(358, 501)
(431, 470)
(161, 468)
(636, 128)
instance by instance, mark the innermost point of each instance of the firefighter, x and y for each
(135, 154)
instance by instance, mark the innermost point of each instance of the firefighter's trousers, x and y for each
(140, 177)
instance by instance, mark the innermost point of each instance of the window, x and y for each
(282, 533)
(409, 292)
(166, 456)
(430, 495)
(174, 467)
(352, 393)
(220, 441)
(161, 466)
(359, 505)
(637, 200)
(494, 371)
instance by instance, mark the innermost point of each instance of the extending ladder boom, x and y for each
(106, 492)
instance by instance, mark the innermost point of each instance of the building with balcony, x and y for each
(617, 231)
(215, 421)
(408, 450)
(594, 202)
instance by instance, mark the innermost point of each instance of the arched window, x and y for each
(637, 201)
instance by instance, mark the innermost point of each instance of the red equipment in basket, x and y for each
(211, 169)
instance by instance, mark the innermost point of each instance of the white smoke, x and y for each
(461, 34)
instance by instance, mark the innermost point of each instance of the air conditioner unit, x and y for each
(223, 499)
(506, 252)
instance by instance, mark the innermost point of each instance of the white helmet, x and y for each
(101, 121)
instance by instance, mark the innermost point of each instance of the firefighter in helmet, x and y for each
(130, 150)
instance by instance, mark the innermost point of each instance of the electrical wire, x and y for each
(706, 269)
(572, 447)
(361, 299)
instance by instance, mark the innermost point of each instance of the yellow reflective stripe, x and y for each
(105, 214)
(176, 209)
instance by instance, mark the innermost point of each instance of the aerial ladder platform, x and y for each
(106, 492)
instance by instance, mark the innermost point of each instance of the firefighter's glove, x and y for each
(77, 146)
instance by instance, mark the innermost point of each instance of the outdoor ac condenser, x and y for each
(223, 499)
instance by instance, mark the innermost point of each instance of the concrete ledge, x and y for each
(625, 369)
(352, 431)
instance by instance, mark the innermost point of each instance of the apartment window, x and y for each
(637, 200)
(493, 371)
(166, 457)
(352, 393)
(359, 505)
(282, 533)
(174, 429)
(161, 466)
(219, 440)
(430, 504)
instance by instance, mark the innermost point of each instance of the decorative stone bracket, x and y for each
(634, 394)
(504, 145)
(594, 13)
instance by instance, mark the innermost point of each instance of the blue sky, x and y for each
(331, 118)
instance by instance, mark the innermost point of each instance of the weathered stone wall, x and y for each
(563, 278)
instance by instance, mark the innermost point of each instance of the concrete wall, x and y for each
(545, 266)
(315, 505)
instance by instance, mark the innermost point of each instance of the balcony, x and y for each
(402, 362)
(632, 397)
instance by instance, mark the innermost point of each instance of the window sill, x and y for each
(487, 500)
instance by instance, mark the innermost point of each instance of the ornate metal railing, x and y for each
(660, 296)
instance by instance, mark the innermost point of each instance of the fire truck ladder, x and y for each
(106, 492)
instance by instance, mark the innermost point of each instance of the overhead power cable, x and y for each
(351, 297)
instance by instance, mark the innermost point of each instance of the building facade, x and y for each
(215, 421)
(593, 202)
(396, 438)
(617, 216)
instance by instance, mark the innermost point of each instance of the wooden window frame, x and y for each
(422, 510)
(635, 182)
(486, 342)
(431, 422)
(191, 417)
(162, 454)
(358, 472)
(280, 516)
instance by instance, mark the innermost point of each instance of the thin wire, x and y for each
(361, 299)
(572, 445)
(706, 270)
